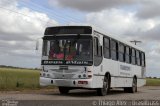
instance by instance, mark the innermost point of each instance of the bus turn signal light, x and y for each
(89, 76)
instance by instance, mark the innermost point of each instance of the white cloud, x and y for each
(19, 30)
(10, 3)
(90, 5)
(119, 22)
(23, 27)
(148, 9)
(145, 8)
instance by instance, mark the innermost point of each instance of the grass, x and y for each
(152, 82)
(13, 79)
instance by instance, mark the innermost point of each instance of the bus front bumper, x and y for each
(84, 83)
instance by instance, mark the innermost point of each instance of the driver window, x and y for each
(97, 52)
(97, 48)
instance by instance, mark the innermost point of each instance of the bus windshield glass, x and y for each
(68, 49)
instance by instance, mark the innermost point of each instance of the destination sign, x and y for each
(66, 62)
(68, 30)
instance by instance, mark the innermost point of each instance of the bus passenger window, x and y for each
(133, 57)
(121, 52)
(106, 47)
(138, 58)
(114, 50)
(143, 59)
(127, 55)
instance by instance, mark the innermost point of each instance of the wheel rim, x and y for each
(105, 85)
(134, 85)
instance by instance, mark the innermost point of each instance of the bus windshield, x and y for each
(68, 49)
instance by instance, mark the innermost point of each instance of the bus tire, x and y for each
(63, 90)
(126, 89)
(104, 91)
(133, 89)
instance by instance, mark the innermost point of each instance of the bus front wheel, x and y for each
(104, 91)
(63, 90)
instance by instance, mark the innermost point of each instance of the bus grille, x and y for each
(64, 76)
(62, 82)
(65, 71)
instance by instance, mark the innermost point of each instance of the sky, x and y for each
(22, 23)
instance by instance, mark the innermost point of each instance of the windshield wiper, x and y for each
(76, 39)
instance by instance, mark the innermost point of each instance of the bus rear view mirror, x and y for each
(37, 44)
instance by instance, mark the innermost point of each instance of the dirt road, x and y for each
(144, 93)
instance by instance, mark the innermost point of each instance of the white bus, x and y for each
(83, 57)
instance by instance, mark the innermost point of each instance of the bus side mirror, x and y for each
(37, 44)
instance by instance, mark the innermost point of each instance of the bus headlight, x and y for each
(48, 75)
(84, 75)
(44, 70)
(44, 74)
(79, 76)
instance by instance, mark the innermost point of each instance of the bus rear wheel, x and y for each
(105, 90)
(134, 86)
(132, 89)
(64, 90)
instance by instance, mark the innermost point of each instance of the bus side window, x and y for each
(138, 58)
(97, 48)
(127, 55)
(133, 57)
(143, 59)
(114, 51)
(106, 47)
(100, 51)
(121, 52)
(97, 52)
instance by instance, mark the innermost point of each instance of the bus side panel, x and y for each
(121, 82)
(137, 70)
(97, 81)
(111, 66)
(113, 84)
(128, 82)
(141, 82)
(118, 82)
(124, 75)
